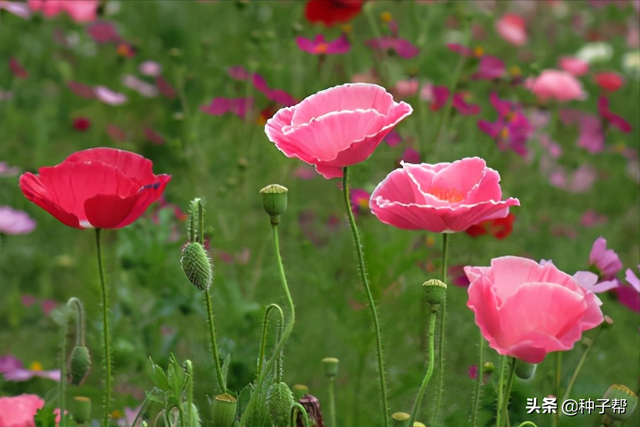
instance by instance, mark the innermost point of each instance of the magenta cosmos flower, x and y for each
(604, 262)
(320, 46)
(336, 127)
(527, 310)
(442, 198)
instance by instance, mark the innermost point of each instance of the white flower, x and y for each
(595, 52)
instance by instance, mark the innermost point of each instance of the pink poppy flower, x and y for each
(221, 106)
(336, 127)
(319, 46)
(19, 411)
(572, 65)
(403, 47)
(526, 310)
(441, 198)
(15, 222)
(512, 29)
(79, 10)
(605, 262)
(556, 85)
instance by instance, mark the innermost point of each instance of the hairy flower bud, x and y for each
(79, 365)
(279, 404)
(196, 265)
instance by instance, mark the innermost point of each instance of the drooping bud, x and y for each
(196, 265)
(80, 409)
(400, 419)
(279, 404)
(79, 365)
(223, 410)
(311, 404)
(435, 291)
(330, 366)
(620, 402)
(274, 200)
(524, 370)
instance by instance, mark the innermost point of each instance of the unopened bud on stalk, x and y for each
(299, 390)
(79, 365)
(400, 419)
(279, 404)
(196, 265)
(274, 200)
(223, 410)
(330, 366)
(435, 291)
(524, 370)
(626, 401)
(80, 409)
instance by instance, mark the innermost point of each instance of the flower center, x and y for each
(478, 51)
(447, 194)
(35, 366)
(322, 48)
(504, 133)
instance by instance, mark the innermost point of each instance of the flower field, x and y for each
(337, 213)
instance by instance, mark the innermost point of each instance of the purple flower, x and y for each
(402, 47)
(150, 68)
(221, 106)
(590, 281)
(392, 139)
(104, 32)
(440, 95)
(319, 46)
(19, 9)
(12, 369)
(108, 96)
(359, 201)
(140, 86)
(410, 156)
(260, 83)
(611, 118)
(490, 68)
(511, 130)
(6, 170)
(603, 261)
(629, 296)
(15, 222)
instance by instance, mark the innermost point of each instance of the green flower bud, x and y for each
(299, 390)
(418, 424)
(279, 404)
(196, 265)
(435, 291)
(330, 366)
(223, 410)
(400, 419)
(274, 200)
(79, 365)
(524, 370)
(621, 402)
(80, 409)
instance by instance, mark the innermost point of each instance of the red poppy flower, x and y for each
(331, 12)
(609, 81)
(96, 188)
(81, 123)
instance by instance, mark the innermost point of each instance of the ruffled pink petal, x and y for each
(461, 175)
(397, 186)
(488, 188)
(348, 97)
(484, 303)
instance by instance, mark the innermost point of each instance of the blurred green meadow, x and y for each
(227, 159)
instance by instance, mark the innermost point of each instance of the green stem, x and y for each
(332, 404)
(298, 408)
(265, 325)
(367, 288)
(510, 380)
(79, 320)
(214, 346)
(189, 371)
(105, 329)
(527, 423)
(479, 379)
(63, 372)
(287, 331)
(579, 366)
(442, 313)
(425, 381)
(556, 416)
(503, 361)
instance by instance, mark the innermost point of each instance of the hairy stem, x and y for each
(372, 304)
(214, 346)
(425, 381)
(105, 329)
